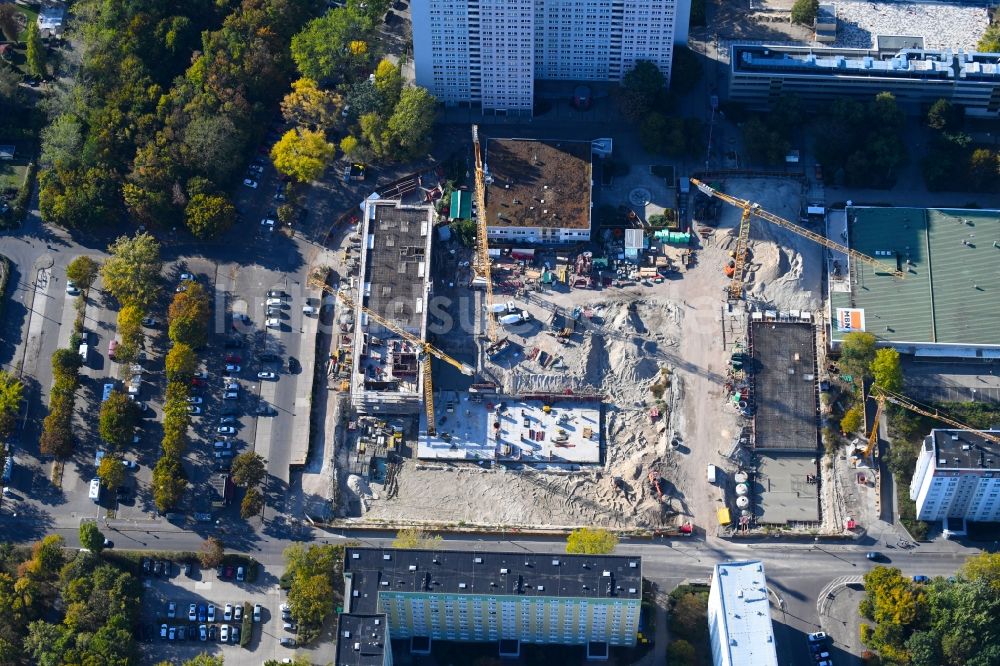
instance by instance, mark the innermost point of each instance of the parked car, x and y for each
(147, 565)
(158, 568)
(920, 578)
(266, 374)
(227, 615)
(197, 382)
(240, 574)
(233, 358)
(256, 612)
(187, 277)
(275, 293)
(171, 609)
(149, 322)
(238, 612)
(250, 182)
(202, 612)
(273, 322)
(71, 288)
(236, 633)
(287, 642)
(173, 633)
(224, 633)
(309, 309)
(194, 400)
(290, 626)
(222, 445)
(194, 409)
(203, 633)
(193, 613)
(108, 543)
(211, 632)
(163, 631)
(274, 302)
(230, 395)
(228, 420)
(267, 223)
(201, 374)
(817, 637)
(232, 368)
(211, 612)
(224, 453)
(226, 430)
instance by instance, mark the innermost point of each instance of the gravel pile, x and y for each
(941, 26)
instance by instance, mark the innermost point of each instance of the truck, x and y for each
(95, 490)
(503, 308)
(511, 319)
(712, 473)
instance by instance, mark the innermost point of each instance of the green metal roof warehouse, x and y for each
(949, 302)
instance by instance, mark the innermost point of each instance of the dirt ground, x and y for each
(657, 345)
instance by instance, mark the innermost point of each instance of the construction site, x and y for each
(647, 379)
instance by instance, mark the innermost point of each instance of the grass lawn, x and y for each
(12, 174)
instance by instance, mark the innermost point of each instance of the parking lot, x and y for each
(205, 589)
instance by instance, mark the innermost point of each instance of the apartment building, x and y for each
(488, 53)
(509, 598)
(538, 191)
(759, 74)
(739, 616)
(395, 285)
(362, 640)
(958, 476)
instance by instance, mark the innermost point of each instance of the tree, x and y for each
(57, 437)
(944, 117)
(111, 472)
(76, 197)
(208, 215)
(348, 145)
(46, 557)
(853, 420)
(983, 567)
(388, 83)
(886, 370)
(857, 351)
(8, 22)
(326, 45)
(62, 140)
(132, 272)
(311, 600)
(211, 553)
(180, 363)
(375, 131)
(204, 659)
(117, 421)
(984, 169)
(804, 11)
(688, 616)
(189, 316)
(252, 504)
(763, 144)
(35, 52)
(169, 482)
(91, 537)
(302, 154)
(592, 541)
(11, 392)
(412, 121)
(643, 89)
(990, 41)
(83, 271)
(248, 469)
(310, 106)
(681, 653)
(412, 538)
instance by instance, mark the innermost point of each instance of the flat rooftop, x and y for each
(964, 449)
(949, 295)
(361, 640)
(785, 415)
(782, 493)
(524, 574)
(746, 612)
(472, 428)
(538, 183)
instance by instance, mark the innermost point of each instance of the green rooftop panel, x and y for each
(951, 292)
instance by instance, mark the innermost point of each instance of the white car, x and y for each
(187, 277)
(309, 309)
(192, 613)
(194, 400)
(130, 464)
(267, 223)
(250, 182)
(172, 610)
(211, 612)
(223, 445)
(238, 612)
(256, 612)
(231, 386)
(231, 395)
(232, 367)
(71, 288)
(272, 302)
(227, 614)
(226, 430)
(273, 322)
(194, 409)
(201, 374)
(224, 633)
(266, 374)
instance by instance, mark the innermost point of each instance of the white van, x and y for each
(712, 473)
(95, 490)
(84, 352)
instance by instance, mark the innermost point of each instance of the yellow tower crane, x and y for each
(427, 348)
(883, 396)
(482, 260)
(751, 209)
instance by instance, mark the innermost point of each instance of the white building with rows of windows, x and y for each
(958, 476)
(487, 53)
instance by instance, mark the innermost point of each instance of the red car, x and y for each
(233, 358)
(197, 382)
(228, 572)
